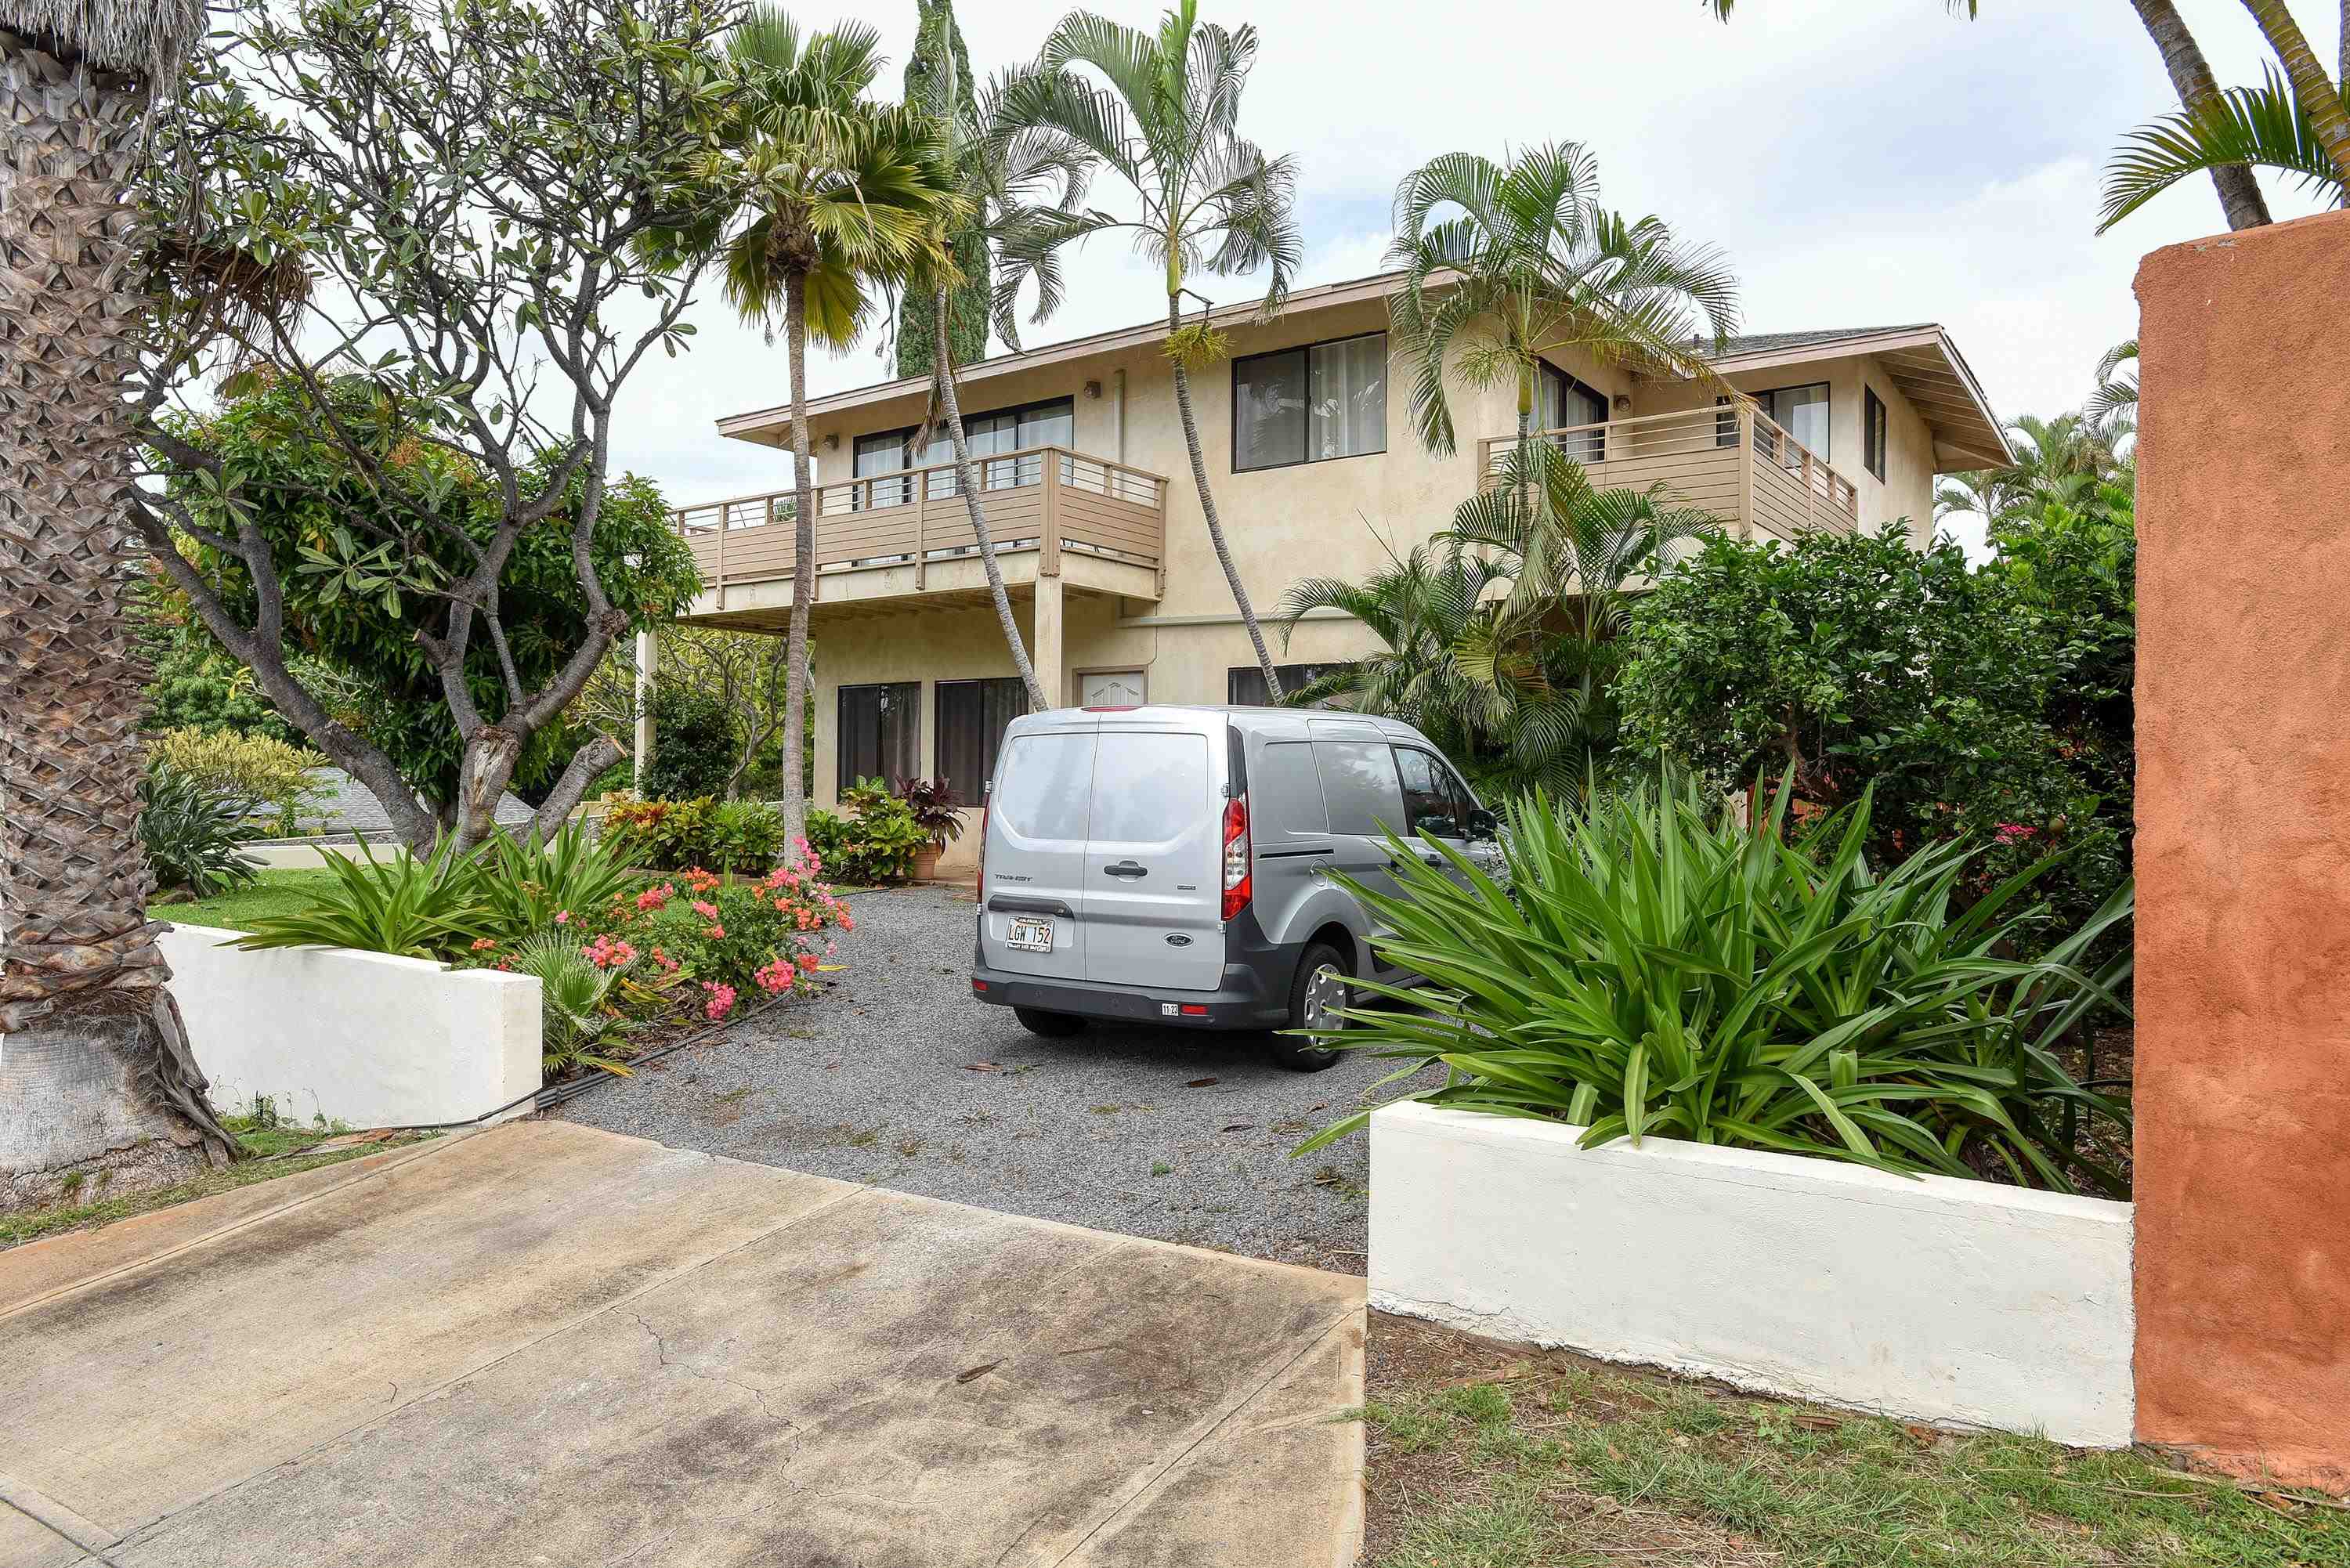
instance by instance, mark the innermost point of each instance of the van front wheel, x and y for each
(1051, 1026)
(1323, 985)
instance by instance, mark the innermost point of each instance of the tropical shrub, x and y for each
(673, 835)
(1657, 968)
(193, 833)
(874, 847)
(1871, 665)
(695, 743)
(578, 1024)
(261, 769)
(426, 907)
(724, 940)
(937, 809)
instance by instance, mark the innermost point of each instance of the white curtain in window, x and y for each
(1348, 403)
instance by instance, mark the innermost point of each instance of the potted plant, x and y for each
(938, 811)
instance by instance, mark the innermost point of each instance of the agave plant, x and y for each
(579, 1027)
(413, 905)
(193, 833)
(1655, 968)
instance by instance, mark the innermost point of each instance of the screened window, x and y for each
(880, 732)
(1244, 683)
(1048, 782)
(1359, 785)
(1309, 404)
(1873, 432)
(1286, 792)
(973, 715)
(1148, 788)
(1802, 412)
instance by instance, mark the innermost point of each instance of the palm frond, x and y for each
(2265, 126)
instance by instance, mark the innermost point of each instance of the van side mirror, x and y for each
(1484, 823)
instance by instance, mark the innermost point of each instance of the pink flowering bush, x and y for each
(764, 937)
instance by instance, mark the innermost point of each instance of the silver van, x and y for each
(1170, 865)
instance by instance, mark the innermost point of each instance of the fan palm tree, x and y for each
(1161, 110)
(835, 195)
(98, 1058)
(1506, 265)
(1008, 179)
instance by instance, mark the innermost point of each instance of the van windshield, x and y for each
(1043, 784)
(1148, 788)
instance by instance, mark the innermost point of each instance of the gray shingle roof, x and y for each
(1764, 342)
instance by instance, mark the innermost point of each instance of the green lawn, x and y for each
(268, 1154)
(1482, 1458)
(273, 892)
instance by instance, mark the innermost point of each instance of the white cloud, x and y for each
(1864, 163)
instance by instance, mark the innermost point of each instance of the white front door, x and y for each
(1111, 688)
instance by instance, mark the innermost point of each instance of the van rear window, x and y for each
(1041, 786)
(1358, 782)
(1148, 788)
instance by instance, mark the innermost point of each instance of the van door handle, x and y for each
(1127, 868)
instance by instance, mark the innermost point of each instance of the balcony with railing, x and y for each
(1096, 524)
(1732, 460)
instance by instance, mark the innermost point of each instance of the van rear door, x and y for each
(1153, 881)
(1032, 909)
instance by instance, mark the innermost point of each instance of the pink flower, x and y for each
(846, 923)
(707, 910)
(714, 932)
(2014, 831)
(721, 1000)
(562, 917)
(483, 944)
(807, 961)
(652, 899)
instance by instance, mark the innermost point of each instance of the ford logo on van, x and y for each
(1178, 940)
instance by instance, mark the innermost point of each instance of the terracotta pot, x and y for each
(926, 862)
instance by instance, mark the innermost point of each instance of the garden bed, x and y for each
(1930, 1298)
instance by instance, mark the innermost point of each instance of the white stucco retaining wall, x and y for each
(1933, 1298)
(366, 1039)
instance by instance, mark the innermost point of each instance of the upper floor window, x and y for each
(1245, 684)
(1872, 431)
(1304, 405)
(1052, 422)
(1802, 412)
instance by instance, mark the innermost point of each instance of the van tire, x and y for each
(1314, 967)
(1051, 1026)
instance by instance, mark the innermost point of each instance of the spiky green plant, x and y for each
(525, 882)
(579, 1027)
(413, 905)
(1655, 969)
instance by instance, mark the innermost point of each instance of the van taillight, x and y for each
(1236, 857)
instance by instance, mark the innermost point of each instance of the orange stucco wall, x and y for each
(2243, 851)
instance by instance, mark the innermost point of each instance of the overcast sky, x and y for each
(1864, 163)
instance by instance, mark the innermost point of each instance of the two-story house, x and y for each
(1316, 471)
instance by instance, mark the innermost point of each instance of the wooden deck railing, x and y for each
(1732, 460)
(1045, 499)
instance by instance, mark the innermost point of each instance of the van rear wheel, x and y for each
(1051, 1026)
(1323, 985)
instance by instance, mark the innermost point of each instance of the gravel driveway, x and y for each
(895, 1075)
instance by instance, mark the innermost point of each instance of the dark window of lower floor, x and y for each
(972, 718)
(1244, 683)
(880, 732)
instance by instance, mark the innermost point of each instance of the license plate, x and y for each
(1030, 935)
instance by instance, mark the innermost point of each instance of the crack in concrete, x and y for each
(661, 1351)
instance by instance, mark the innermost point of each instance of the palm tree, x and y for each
(2320, 96)
(2117, 395)
(1006, 181)
(2068, 460)
(1519, 679)
(836, 194)
(2198, 95)
(1508, 264)
(2266, 127)
(1166, 119)
(97, 1057)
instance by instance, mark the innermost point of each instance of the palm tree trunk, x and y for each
(2190, 77)
(795, 674)
(98, 1059)
(1208, 509)
(944, 368)
(2321, 98)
